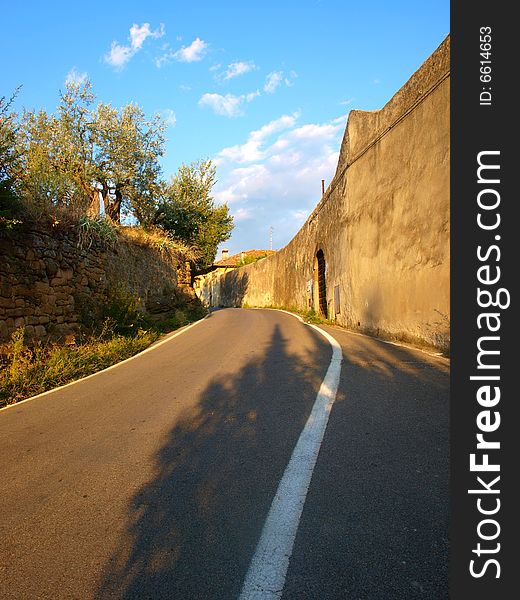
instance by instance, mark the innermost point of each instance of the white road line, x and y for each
(265, 578)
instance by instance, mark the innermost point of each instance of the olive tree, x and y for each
(188, 211)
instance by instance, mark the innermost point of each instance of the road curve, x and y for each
(154, 479)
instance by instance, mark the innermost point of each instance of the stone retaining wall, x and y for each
(48, 282)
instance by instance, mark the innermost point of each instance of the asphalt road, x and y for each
(153, 479)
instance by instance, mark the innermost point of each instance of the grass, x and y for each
(90, 229)
(309, 316)
(158, 239)
(441, 347)
(27, 371)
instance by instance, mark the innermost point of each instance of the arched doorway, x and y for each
(320, 279)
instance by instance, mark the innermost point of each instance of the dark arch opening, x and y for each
(322, 288)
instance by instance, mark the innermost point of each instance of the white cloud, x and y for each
(119, 54)
(275, 78)
(289, 81)
(274, 177)
(251, 96)
(164, 58)
(242, 214)
(74, 77)
(138, 34)
(253, 149)
(192, 53)
(311, 132)
(169, 117)
(228, 105)
(236, 69)
(272, 81)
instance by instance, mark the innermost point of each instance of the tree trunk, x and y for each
(94, 208)
(113, 206)
(105, 195)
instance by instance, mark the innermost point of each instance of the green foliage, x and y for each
(10, 208)
(127, 149)
(311, 316)
(179, 318)
(17, 354)
(121, 311)
(53, 173)
(189, 214)
(249, 259)
(118, 314)
(71, 158)
(8, 132)
(31, 371)
(61, 166)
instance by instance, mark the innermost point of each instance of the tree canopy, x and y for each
(188, 211)
(88, 159)
(87, 152)
(9, 162)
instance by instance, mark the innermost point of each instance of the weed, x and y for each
(96, 229)
(309, 316)
(17, 354)
(179, 318)
(121, 310)
(31, 371)
(160, 240)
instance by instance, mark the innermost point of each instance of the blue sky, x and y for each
(262, 88)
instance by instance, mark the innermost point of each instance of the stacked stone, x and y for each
(46, 279)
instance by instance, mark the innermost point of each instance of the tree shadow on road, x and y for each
(386, 453)
(193, 528)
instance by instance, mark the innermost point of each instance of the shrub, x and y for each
(97, 228)
(121, 311)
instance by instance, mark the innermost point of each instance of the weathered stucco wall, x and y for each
(382, 225)
(49, 284)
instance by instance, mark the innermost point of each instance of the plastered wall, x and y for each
(382, 225)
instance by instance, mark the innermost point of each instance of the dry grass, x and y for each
(31, 371)
(27, 371)
(158, 239)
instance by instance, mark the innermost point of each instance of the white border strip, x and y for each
(265, 578)
(149, 349)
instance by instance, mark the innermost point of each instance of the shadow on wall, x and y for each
(193, 528)
(233, 288)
